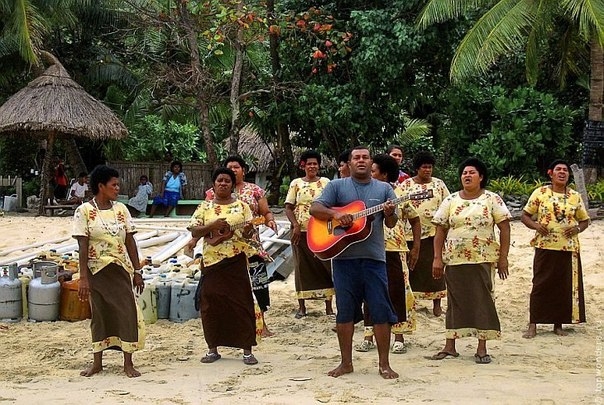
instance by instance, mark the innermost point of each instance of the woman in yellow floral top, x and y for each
(465, 243)
(109, 267)
(313, 276)
(424, 286)
(385, 168)
(557, 296)
(254, 196)
(226, 301)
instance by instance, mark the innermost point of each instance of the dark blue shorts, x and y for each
(170, 199)
(358, 280)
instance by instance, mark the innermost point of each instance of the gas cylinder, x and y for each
(43, 295)
(11, 302)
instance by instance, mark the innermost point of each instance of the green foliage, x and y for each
(513, 186)
(529, 127)
(151, 138)
(595, 191)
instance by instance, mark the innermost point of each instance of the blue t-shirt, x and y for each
(341, 192)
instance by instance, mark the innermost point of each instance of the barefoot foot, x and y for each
(388, 373)
(131, 371)
(437, 310)
(531, 332)
(92, 370)
(266, 333)
(341, 370)
(559, 331)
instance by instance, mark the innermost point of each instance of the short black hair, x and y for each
(388, 165)
(423, 157)
(558, 162)
(344, 156)
(479, 165)
(310, 154)
(82, 174)
(223, 170)
(358, 147)
(237, 159)
(175, 163)
(392, 147)
(101, 175)
(144, 176)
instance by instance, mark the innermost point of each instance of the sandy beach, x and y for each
(41, 362)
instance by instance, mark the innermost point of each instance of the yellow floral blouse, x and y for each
(395, 237)
(556, 211)
(234, 213)
(427, 207)
(301, 195)
(471, 224)
(103, 247)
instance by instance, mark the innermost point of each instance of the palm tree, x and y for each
(505, 26)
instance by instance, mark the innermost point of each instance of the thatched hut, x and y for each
(260, 156)
(54, 106)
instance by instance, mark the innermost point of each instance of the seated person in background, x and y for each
(138, 204)
(78, 193)
(172, 189)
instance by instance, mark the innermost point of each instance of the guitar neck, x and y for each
(377, 208)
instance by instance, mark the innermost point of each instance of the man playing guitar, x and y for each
(359, 271)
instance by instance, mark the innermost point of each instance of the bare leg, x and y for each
(96, 367)
(129, 366)
(328, 307)
(152, 212)
(265, 331)
(301, 309)
(169, 209)
(531, 332)
(559, 331)
(345, 333)
(382, 339)
(481, 350)
(437, 309)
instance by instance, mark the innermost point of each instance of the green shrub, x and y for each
(513, 186)
(595, 192)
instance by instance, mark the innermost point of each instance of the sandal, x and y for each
(249, 359)
(365, 346)
(443, 355)
(211, 357)
(486, 359)
(398, 348)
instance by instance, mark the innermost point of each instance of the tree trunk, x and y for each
(284, 157)
(596, 93)
(596, 96)
(47, 173)
(235, 91)
(197, 78)
(74, 158)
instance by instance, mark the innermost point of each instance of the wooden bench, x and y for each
(184, 208)
(65, 207)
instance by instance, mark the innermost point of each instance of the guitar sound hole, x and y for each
(340, 230)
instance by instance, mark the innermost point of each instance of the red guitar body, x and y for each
(327, 239)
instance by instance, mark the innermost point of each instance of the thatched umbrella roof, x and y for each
(259, 154)
(54, 106)
(53, 102)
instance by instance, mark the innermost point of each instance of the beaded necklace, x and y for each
(113, 229)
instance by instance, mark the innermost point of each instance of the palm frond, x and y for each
(537, 37)
(436, 11)
(589, 14)
(502, 29)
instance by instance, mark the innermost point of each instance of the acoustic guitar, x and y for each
(215, 237)
(327, 239)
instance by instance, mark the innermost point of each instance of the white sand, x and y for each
(41, 361)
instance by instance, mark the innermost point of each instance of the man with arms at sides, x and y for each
(359, 272)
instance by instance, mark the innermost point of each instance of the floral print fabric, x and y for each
(104, 248)
(557, 212)
(427, 207)
(395, 237)
(301, 195)
(234, 213)
(471, 235)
